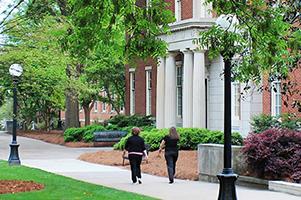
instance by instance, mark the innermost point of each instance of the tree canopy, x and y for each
(90, 40)
(266, 40)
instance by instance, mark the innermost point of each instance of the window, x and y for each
(276, 98)
(132, 93)
(95, 106)
(122, 108)
(237, 101)
(112, 109)
(103, 107)
(113, 99)
(179, 91)
(148, 91)
(178, 10)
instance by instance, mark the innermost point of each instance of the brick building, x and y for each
(185, 88)
(99, 113)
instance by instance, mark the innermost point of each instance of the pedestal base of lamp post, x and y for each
(14, 155)
(227, 189)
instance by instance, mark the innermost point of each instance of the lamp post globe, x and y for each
(15, 71)
(227, 177)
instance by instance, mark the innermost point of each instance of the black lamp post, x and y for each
(227, 178)
(15, 70)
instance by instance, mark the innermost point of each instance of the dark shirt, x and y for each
(135, 144)
(170, 144)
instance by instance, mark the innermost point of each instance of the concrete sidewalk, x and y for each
(63, 160)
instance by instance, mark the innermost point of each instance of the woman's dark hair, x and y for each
(173, 134)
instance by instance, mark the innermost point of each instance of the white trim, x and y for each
(148, 92)
(236, 102)
(276, 98)
(148, 68)
(132, 93)
(179, 63)
(179, 67)
(103, 107)
(95, 106)
(178, 11)
(132, 69)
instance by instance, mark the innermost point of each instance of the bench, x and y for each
(108, 138)
(126, 156)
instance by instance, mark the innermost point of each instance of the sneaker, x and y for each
(171, 182)
(135, 183)
(139, 181)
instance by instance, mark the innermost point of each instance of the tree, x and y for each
(36, 48)
(267, 43)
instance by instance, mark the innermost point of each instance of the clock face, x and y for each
(15, 70)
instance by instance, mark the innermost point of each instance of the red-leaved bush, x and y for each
(274, 154)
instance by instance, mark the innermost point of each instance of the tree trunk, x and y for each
(72, 110)
(87, 112)
(87, 106)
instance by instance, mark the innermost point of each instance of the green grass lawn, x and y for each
(59, 187)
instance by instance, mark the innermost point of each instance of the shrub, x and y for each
(133, 120)
(289, 121)
(189, 138)
(264, 122)
(89, 132)
(121, 144)
(73, 134)
(112, 127)
(82, 134)
(154, 137)
(274, 154)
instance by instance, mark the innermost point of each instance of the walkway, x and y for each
(62, 160)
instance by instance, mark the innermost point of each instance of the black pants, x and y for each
(135, 162)
(171, 158)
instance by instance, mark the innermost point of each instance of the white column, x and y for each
(187, 88)
(170, 91)
(196, 9)
(199, 98)
(160, 93)
(199, 9)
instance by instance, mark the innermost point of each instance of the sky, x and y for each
(3, 6)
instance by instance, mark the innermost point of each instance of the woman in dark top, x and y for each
(136, 149)
(170, 143)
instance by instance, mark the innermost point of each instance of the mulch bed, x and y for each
(186, 164)
(14, 186)
(54, 137)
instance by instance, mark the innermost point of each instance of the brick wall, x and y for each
(266, 97)
(295, 77)
(172, 5)
(186, 9)
(140, 87)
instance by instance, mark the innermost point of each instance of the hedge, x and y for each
(134, 120)
(85, 134)
(189, 138)
(82, 134)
